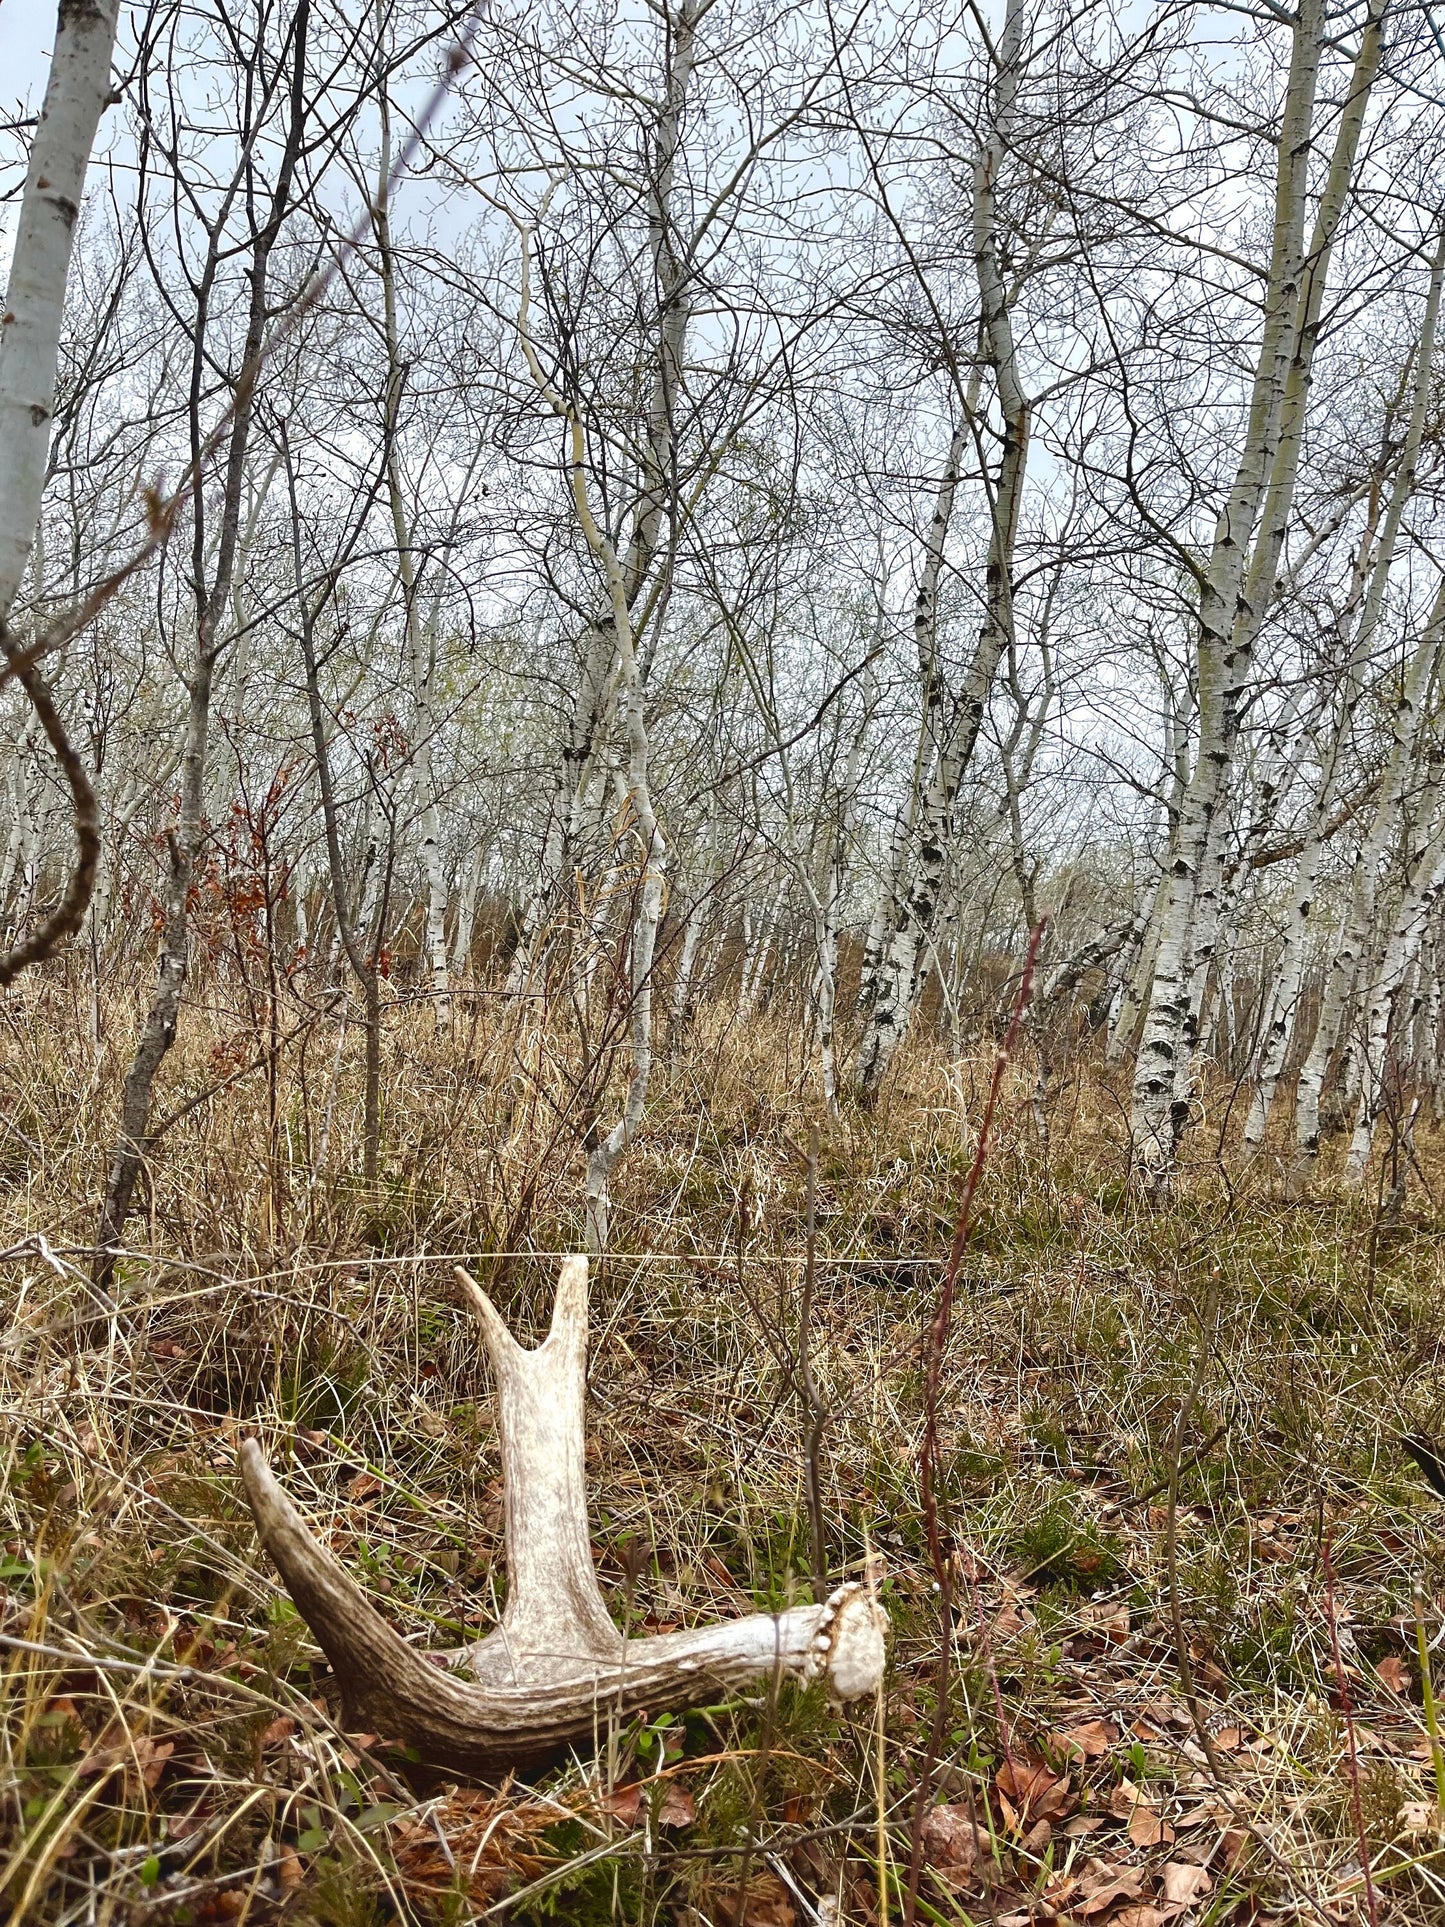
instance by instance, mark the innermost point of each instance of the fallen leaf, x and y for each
(1141, 1915)
(624, 1803)
(1081, 1824)
(1037, 1838)
(226, 1905)
(1165, 1712)
(140, 1754)
(1395, 1674)
(1233, 1844)
(1111, 1621)
(1183, 1884)
(1418, 1816)
(719, 1571)
(280, 1729)
(1060, 1888)
(288, 1870)
(950, 1838)
(364, 1486)
(767, 1905)
(1227, 1739)
(1194, 1817)
(1088, 1739)
(1198, 1852)
(1102, 1885)
(1035, 1790)
(1147, 1828)
(678, 1808)
(1124, 1797)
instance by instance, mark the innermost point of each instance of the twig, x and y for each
(68, 915)
(1342, 1681)
(935, 1345)
(817, 1411)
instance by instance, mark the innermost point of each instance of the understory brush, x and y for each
(1154, 1424)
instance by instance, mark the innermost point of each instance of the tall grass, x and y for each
(170, 1746)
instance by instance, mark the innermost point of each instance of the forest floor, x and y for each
(1167, 1434)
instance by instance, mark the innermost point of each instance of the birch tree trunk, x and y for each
(604, 1153)
(1424, 881)
(21, 752)
(696, 918)
(1347, 958)
(1135, 964)
(76, 93)
(757, 947)
(467, 916)
(896, 961)
(1364, 604)
(1238, 582)
(581, 784)
(680, 1014)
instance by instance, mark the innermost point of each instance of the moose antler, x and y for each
(556, 1670)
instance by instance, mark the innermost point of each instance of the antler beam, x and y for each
(556, 1670)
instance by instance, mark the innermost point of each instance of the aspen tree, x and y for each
(1365, 603)
(1238, 580)
(900, 939)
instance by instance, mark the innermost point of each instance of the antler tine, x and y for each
(556, 1669)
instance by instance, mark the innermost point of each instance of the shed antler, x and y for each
(556, 1669)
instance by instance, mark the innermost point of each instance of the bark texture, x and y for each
(1240, 578)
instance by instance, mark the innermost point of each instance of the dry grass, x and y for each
(170, 1751)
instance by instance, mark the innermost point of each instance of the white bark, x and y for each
(467, 916)
(600, 702)
(1348, 956)
(825, 899)
(75, 95)
(757, 947)
(649, 898)
(1239, 580)
(895, 967)
(21, 752)
(827, 906)
(1424, 882)
(643, 830)
(1365, 605)
(693, 926)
